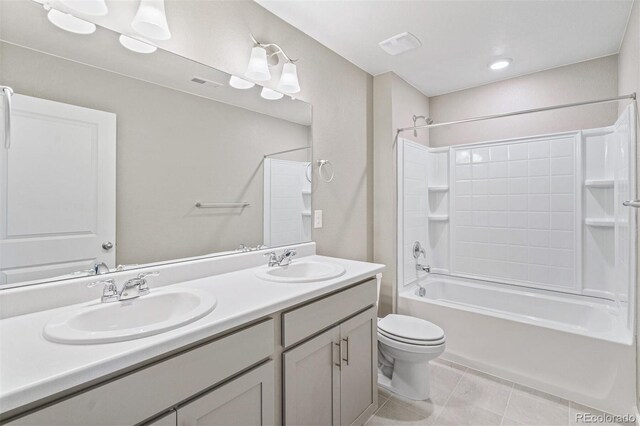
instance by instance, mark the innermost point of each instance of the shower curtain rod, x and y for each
(526, 111)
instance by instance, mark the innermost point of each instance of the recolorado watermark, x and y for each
(605, 418)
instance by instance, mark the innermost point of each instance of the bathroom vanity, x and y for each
(269, 353)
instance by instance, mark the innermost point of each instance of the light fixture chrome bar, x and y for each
(278, 49)
(632, 203)
(221, 205)
(526, 111)
(285, 151)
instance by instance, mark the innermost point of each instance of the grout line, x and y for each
(446, 402)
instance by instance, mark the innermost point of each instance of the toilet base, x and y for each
(410, 380)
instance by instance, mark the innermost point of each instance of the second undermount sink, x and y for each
(157, 312)
(301, 272)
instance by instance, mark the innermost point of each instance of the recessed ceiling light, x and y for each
(500, 64)
(240, 83)
(400, 43)
(70, 23)
(136, 45)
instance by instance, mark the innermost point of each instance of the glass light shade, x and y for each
(258, 68)
(270, 94)
(151, 21)
(289, 79)
(136, 45)
(70, 23)
(240, 83)
(500, 64)
(88, 7)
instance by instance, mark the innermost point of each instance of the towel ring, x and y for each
(321, 164)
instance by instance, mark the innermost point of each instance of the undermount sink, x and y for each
(157, 312)
(301, 272)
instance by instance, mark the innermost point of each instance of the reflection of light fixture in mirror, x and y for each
(289, 79)
(136, 45)
(89, 7)
(258, 68)
(270, 94)
(70, 23)
(151, 20)
(240, 83)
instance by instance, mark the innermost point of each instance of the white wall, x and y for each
(395, 103)
(589, 80)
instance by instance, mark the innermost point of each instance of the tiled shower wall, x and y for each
(514, 207)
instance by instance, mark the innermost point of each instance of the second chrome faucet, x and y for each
(283, 260)
(132, 288)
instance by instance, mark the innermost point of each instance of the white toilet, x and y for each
(405, 346)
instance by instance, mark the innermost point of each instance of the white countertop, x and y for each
(33, 368)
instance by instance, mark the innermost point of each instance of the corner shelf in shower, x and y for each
(598, 183)
(306, 192)
(438, 217)
(306, 214)
(600, 223)
(438, 188)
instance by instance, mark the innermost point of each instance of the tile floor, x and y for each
(462, 396)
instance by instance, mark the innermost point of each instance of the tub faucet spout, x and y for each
(423, 268)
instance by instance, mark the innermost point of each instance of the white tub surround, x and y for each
(573, 347)
(35, 369)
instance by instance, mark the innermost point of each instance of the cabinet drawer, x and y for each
(137, 396)
(307, 320)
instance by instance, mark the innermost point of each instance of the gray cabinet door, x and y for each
(245, 401)
(169, 419)
(358, 380)
(312, 381)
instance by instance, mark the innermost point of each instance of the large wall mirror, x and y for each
(134, 158)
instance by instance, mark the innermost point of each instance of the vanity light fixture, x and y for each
(270, 94)
(88, 7)
(258, 68)
(240, 83)
(136, 45)
(500, 64)
(68, 22)
(151, 21)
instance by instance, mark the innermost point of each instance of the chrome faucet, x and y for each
(418, 251)
(135, 287)
(283, 260)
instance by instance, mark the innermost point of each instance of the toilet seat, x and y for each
(410, 348)
(410, 330)
(411, 341)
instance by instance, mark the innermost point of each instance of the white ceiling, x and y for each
(460, 38)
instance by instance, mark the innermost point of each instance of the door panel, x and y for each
(358, 380)
(245, 401)
(312, 381)
(57, 190)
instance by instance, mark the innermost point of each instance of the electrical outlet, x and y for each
(317, 218)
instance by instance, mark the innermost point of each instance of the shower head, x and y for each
(427, 120)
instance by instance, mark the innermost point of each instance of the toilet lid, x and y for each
(391, 337)
(411, 328)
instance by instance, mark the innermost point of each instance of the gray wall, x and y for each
(172, 149)
(628, 82)
(217, 33)
(395, 103)
(594, 79)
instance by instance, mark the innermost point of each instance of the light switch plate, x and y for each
(317, 218)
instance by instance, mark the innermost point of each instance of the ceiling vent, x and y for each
(201, 80)
(400, 43)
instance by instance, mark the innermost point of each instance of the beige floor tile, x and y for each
(484, 391)
(444, 379)
(532, 408)
(396, 413)
(510, 422)
(459, 413)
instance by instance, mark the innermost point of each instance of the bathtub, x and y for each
(575, 347)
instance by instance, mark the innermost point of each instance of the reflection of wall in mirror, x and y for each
(173, 149)
(287, 202)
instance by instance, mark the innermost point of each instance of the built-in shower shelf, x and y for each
(438, 217)
(306, 214)
(306, 192)
(598, 183)
(438, 188)
(601, 223)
